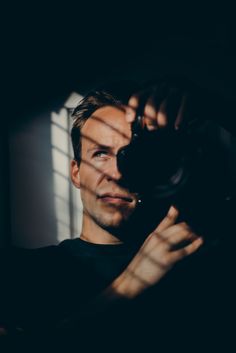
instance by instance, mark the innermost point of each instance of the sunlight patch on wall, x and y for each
(67, 201)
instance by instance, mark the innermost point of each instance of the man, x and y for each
(102, 126)
(101, 268)
(103, 131)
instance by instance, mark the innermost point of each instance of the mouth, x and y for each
(115, 198)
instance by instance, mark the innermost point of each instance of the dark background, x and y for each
(51, 49)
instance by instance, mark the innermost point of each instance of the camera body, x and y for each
(187, 168)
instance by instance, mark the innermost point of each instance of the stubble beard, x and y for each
(111, 217)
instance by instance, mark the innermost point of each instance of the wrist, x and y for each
(127, 286)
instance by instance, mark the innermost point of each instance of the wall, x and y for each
(45, 208)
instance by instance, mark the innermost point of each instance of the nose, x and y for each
(112, 172)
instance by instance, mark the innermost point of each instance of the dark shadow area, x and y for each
(5, 207)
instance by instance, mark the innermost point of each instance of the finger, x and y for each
(150, 113)
(155, 109)
(137, 103)
(176, 235)
(181, 239)
(187, 250)
(130, 114)
(169, 220)
(180, 116)
(170, 108)
(189, 110)
(162, 118)
(133, 104)
(153, 106)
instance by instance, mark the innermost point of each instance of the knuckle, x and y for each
(150, 111)
(180, 254)
(184, 225)
(133, 101)
(166, 260)
(162, 118)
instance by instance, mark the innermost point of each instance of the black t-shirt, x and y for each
(39, 287)
(191, 309)
(107, 261)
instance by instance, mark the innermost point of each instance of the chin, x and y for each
(112, 222)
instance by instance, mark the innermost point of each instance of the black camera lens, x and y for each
(152, 160)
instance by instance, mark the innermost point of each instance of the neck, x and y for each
(93, 233)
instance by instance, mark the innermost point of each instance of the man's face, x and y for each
(105, 202)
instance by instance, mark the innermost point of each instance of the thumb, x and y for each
(169, 220)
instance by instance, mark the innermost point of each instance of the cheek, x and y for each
(89, 179)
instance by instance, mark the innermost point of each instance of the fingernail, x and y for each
(200, 240)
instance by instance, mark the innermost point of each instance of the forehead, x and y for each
(107, 125)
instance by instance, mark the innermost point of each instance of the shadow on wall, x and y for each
(45, 207)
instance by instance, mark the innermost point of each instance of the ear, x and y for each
(74, 173)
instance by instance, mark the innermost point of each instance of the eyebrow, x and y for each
(99, 146)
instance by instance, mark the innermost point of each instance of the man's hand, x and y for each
(168, 244)
(171, 102)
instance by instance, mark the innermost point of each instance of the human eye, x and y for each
(100, 154)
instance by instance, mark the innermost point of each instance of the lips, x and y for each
(115, 197)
